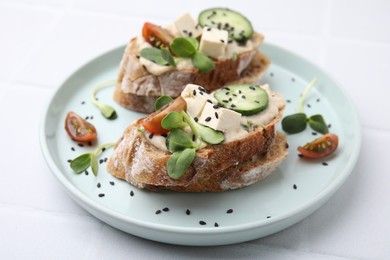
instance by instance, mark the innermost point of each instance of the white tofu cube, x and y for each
(186, 26)
(219, 118)
(196, 97)
(213, 42)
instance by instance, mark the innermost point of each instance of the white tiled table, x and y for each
(43, 41)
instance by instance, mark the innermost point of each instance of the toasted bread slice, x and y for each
(137, 89)
(230, 165)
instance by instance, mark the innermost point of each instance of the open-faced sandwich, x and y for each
(220, 48)
(203, 141)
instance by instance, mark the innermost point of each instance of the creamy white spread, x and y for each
(247, 123)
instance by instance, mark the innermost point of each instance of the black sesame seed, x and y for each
(202, 223)
(193, 138)
(201, 93)
(137, 56)
(295, 186)
(208, 100)
(239, 91)
(194, 92)
(104, 148)
(313, 133)
(230, 41)
(234, 95)
(185, 31)
(243, 96)
(256, 101)
(196, 119)
(216, 224)
(268, 216)
(86, 172)
(87, 117)
(83, 102)
(233, 105)
(72, 148)
(131, 193)
(216, 106)
(325, 163)
(227, 88)
(225, 101)
(300, 155)
(190, 34)
(112, 183)
(81, 145)
(101, 195)
(69, 161)
(101, 161)
(208, 29)
(98, 185)
(308, 105)
(227, 93)
(158, 212)
(216, 115)
(222, 41)
(288, 101)
(207, 119)
(151, 136)
(230, 99)
(188, 212)
(318, 100)
(271, 74)
(229, 211)
(165, 209)
(164, 135)
(89, 143)
(293, 79)
(329, 125)
(252, 87)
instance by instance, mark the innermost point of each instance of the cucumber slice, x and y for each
(238, 26)
(247, 99)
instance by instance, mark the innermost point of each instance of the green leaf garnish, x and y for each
(202, 62)
(106, 110)
(182, 47)
(210, 135)
(317, 123)
(179, 162)
(162, 101)
(173, 120)
(294, 123)
(81, 163)
(193, 41)
(166, 55)
(159, 56)
(94, 165)
(179, 140)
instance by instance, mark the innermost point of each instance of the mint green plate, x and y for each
(296, 189)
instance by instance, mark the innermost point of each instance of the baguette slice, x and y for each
(137, 89)
(215, 168)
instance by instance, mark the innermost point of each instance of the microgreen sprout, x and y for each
(107, 111)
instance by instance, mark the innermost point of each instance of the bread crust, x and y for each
(137, 89)
(215, 167)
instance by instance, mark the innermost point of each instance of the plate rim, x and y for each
(319, 199)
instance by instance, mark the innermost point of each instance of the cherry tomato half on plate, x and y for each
(152, 123)
(156, 35)
(320, 147)
(79, 129)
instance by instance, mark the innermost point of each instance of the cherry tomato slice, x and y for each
(152, 123)
(79, 129)
(156, 35)
(320, 147)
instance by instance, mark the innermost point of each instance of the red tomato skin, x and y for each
(156, 36)
(320, 147)
(79, 129)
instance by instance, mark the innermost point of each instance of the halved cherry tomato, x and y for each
(152, 123)
(79, 129)
(156, 35)
(320, 147)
